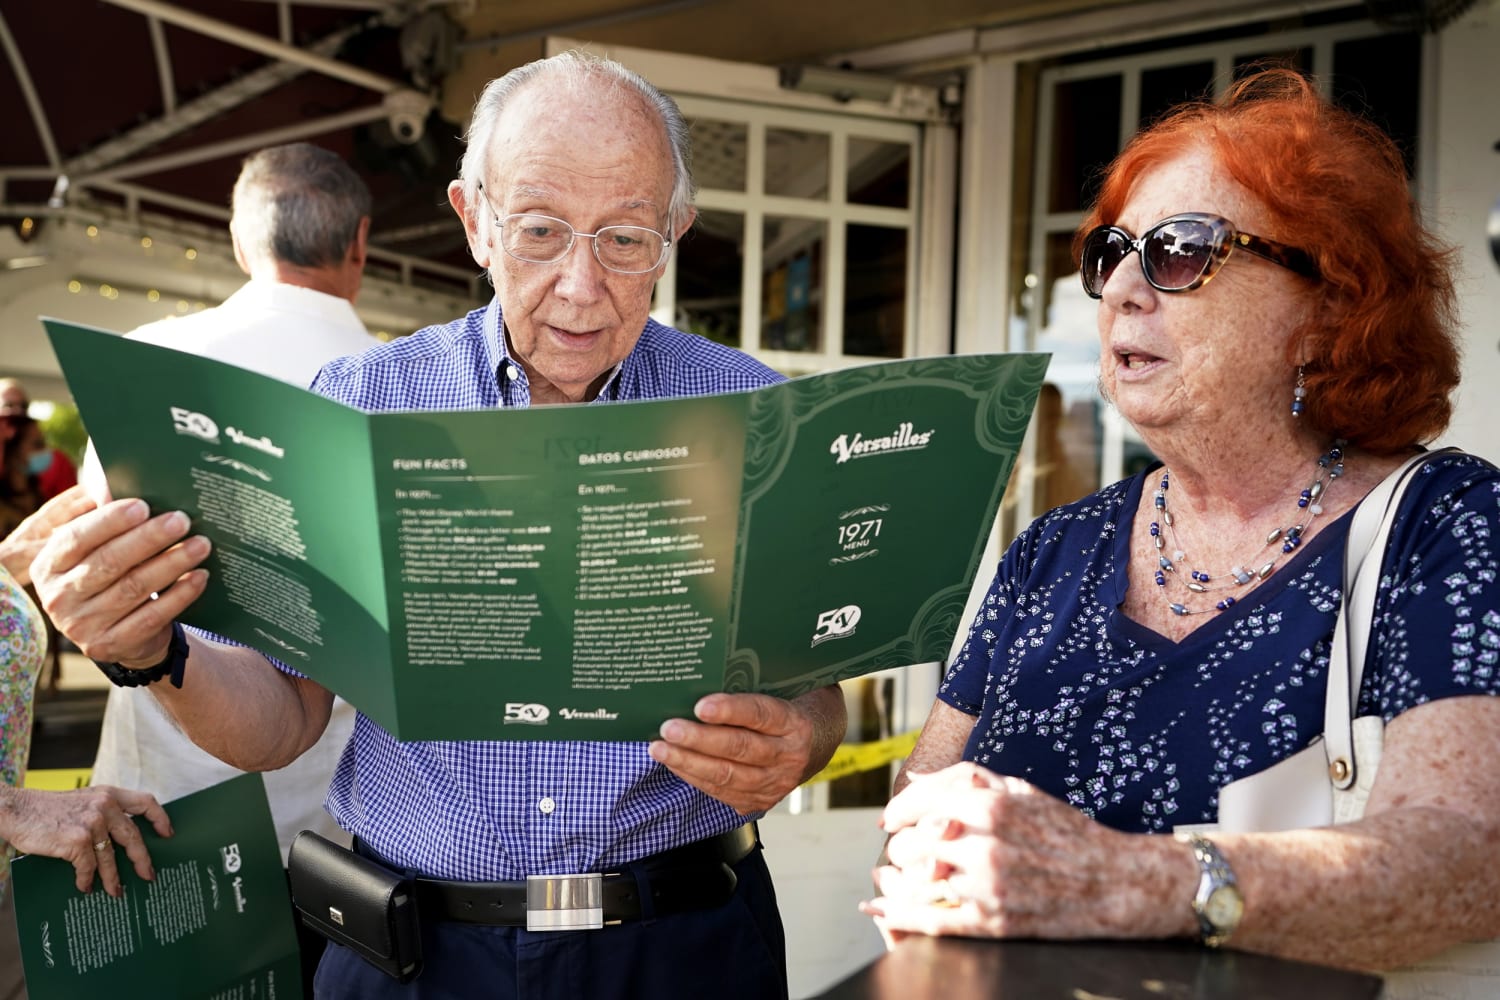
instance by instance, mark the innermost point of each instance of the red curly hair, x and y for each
(1383, 354)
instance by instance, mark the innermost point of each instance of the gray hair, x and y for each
(573, 69)
(299, 204)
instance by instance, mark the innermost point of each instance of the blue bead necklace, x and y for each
(1330, 467)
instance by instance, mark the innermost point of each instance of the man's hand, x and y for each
(114, 579)
(750, 750)
(21, 546)
(83, 827)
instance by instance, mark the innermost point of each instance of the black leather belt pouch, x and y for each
(357, 903)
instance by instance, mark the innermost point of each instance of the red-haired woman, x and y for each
(1277, 324)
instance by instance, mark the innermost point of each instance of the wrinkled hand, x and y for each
(748, 750)
(69, 825)
(978, 854)
(114, 579)
(21, 546)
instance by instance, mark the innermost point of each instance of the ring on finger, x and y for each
(945, 895)
(101, 846)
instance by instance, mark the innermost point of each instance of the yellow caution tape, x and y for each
(58, 780)
(851, 758)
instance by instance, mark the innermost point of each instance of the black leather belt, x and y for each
(694, 876)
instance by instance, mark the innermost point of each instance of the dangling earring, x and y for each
(1299, 394)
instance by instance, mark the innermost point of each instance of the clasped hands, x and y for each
(978, 854)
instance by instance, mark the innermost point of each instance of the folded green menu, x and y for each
(569, 572)
(216, 923)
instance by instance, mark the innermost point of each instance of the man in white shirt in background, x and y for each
(300, 225)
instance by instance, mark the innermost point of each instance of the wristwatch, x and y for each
(1218, 903)
(172, 666)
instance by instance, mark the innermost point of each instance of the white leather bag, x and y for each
(1329, 781)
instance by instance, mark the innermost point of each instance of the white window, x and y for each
(804, 252)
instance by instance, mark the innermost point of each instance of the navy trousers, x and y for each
(733, 952)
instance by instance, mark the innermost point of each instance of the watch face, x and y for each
(1224, 907)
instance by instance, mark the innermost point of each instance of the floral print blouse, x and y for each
(1139, 732)
(23, 645)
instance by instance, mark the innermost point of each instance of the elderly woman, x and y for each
(1276, 324)
(83, 826)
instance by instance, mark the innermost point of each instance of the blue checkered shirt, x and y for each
(504, 810)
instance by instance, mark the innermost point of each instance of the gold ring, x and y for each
(947, 897)
(102, 846)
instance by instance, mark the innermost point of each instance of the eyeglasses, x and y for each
(1180, 253)
(542, 239)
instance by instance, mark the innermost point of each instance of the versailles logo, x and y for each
(202, 426)
(903, 438)
(602, 714)
(262, 443)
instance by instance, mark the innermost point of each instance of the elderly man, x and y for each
(574, 186)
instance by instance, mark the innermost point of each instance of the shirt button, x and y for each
(547, 806)
(511, 373)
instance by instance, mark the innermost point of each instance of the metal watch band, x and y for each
(172, 666)
(1216, 878)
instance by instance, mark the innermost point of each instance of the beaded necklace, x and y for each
(1330, 467)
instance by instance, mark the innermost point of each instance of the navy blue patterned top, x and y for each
(1140, 732)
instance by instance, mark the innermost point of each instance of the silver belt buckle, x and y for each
(565, 902)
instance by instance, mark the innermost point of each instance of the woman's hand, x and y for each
(978, 854)
(83, 827)
(21, 546)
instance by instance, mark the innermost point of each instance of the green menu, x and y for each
(216, 923)
(569, 572)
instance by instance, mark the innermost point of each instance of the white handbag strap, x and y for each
(1363, 555)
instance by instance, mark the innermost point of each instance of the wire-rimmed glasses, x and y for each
(543, 239)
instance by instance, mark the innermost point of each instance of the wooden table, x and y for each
(923, 968)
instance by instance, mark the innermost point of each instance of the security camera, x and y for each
(406, 128)
(406, 114)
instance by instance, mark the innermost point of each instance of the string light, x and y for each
(218, 255)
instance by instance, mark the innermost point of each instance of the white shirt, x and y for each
(289, 333)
